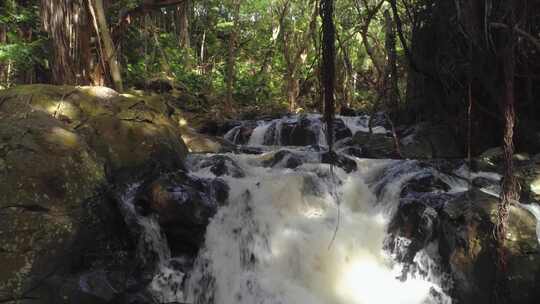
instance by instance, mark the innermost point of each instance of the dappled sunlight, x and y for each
(63, 138)
(535, 185)
(99, 92)
(182, 122)
(64, 108)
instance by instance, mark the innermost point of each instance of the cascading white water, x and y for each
(257, 137)
(152, 249)
(361, 124)
(260, 135)
(274, 241)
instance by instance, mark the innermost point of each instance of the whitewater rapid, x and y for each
(276, 240)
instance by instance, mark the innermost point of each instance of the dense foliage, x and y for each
(276, 53)
(416, 59)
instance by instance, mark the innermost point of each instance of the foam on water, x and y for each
(260, 134)
(153, 250)
(274, 243)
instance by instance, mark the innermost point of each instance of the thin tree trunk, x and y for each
(293, 56)
(184, 41)
(329, 54)
(390, 77)
(182, 11)
(509, 193)
(3, 67)
(231, 57)
(108, 45)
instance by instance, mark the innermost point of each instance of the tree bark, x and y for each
(509, 194)
(293, 55)
(65, 22)
(3, 67)
(231, 56)
(182, 13)
(391, 92)
(108, 45)
(329, 54)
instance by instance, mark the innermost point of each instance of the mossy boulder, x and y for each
(462, 225)
(60, 148)
(131, 134)
(48, 173)
(467, 224)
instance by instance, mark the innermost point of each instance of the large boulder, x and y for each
(374, 145)
(467, 244)
(298, 132)
(526, 170)
(61, 148)
(462, 225)
(47, 175)
(184, 206)
(132, 135)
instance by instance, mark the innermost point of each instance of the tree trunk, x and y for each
(293, 55)
(293, 89)
(108, 45)
(3, 67)
(509, 194)
(65, 22)
(231, 57)
(391, 92)
(328, 67)
(182, 13)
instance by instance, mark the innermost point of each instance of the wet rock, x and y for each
(379, 119)
(467, 230)
(215, 128)
(415, 221)
(248, 150)
(222, 165)
(375, 145)
(341, 131)
(340, 160)
(345, 111)
(427, 182)
(526, 170)
(353, 151)
(463, 227)
(285, 159)
(184, 205)
(240, 135)
(489, 160)
(298, 133)
(201, 143)
(60, 147)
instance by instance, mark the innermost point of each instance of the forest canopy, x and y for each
(420, 59)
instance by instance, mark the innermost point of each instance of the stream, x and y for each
(296, 230)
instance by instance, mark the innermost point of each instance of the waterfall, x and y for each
(271, 243)
(258, 135)
(152, 250)
(271, 132)
(275, 240)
